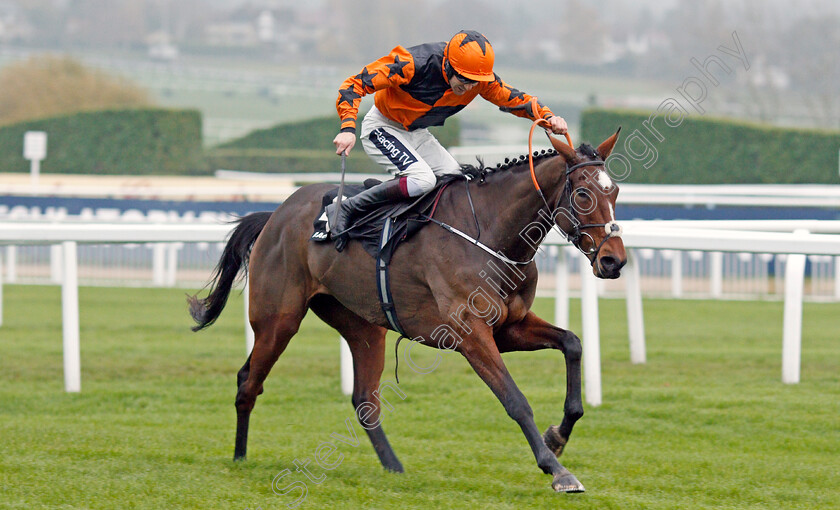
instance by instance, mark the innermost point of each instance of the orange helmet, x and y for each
(471, 55)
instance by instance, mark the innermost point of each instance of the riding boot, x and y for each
(388, 191)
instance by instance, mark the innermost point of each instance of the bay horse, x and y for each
(434, 276)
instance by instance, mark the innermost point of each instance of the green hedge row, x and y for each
(302, 147)
(701, 150)
(159, 141)
(133, 142)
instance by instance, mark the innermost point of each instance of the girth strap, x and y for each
(383, 284)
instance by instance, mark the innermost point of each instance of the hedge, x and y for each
(302, 147)
(128, 142)
(159, 141)
(703, 150)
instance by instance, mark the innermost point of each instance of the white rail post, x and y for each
(56, 264)
(716, 273)
(159, 264)
(591, 335)
(635, 314)
(676, 274)
(346, 367)
(561, 287)
(249, 332)
(70, 319)
(171, 270)
(11, 264)
(792, 327)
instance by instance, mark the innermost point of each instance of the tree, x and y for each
(584, 34)
(814, 67)
(48, 85)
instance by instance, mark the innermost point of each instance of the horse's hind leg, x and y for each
(367, 344)
(271, 336)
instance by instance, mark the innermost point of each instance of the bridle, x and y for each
(611, 228)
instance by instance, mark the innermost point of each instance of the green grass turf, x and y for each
(706, 423)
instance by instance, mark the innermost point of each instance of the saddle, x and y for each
(382, 230)
(404, 218)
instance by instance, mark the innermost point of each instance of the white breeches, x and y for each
(416, 155)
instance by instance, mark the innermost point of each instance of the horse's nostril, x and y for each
(609, 262)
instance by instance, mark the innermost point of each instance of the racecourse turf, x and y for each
(705, 423)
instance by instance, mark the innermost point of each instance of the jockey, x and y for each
(416, 88)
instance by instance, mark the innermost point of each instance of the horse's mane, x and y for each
(481, 172)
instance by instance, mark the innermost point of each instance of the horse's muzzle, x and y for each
(609, 267)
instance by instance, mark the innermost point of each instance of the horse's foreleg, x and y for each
(557, 437)
(533, 333)
(271, 336)
(483, 355)
(367, 344)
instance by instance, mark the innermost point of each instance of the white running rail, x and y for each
(637, 235)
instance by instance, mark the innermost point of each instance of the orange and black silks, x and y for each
(413, 90)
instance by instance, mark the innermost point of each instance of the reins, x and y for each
(544, 123)
(612, 229)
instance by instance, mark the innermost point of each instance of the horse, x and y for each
(437, 274)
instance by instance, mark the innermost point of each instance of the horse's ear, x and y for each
(561, 147)
(607, 145)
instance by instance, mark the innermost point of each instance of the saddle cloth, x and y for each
(408, 217)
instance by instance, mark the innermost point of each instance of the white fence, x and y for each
(638, 236)
(258, 186)
(181, 263)
(664, 272)
(68, 235)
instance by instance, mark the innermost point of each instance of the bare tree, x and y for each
(46, 86)
(584, 34)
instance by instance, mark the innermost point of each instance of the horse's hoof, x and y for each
(566, 482)
(395, 469)
(554, 440)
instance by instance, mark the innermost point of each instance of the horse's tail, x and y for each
(205, 311)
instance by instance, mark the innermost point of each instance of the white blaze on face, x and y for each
(612, 213)
(604, 180)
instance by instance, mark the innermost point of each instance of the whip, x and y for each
(340, 188)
